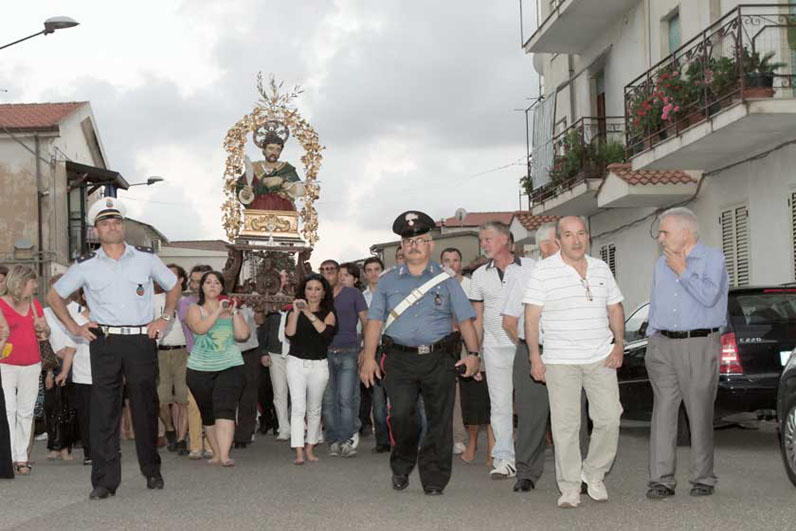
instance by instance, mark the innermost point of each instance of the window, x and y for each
(608, 255)
(673, 31)
(78, 230)
(735, 244)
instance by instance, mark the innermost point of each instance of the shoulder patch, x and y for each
(143, 249)
(87, 256)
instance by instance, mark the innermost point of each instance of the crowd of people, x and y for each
(525, 350)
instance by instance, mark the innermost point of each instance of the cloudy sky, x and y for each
(415, 100)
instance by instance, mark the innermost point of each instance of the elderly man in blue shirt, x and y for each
(418, 302)
(688, 306)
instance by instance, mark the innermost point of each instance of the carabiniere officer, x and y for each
(117, 282)
(420, 355)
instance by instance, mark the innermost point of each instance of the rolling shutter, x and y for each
(608, 255)
(793, 228)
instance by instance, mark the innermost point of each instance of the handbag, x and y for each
(49, 361)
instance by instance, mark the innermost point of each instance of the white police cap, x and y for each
(104, 208)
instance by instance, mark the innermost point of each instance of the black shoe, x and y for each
(171, 437)
(366, 430)
(382, 448)
(432, 491)
(700, 489)
(400, 482)
(523, 485)
(659, 491)
(182, 448)
(100, 493)
(155, 482)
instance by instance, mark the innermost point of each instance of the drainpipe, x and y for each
(38, 204)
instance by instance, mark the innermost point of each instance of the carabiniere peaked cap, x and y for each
(412, 223)
(104, 208)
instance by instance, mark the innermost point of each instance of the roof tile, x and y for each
(34, 116)
(642, 177)
(531, 222)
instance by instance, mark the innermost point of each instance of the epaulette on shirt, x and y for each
(143, 249)
(87, 256)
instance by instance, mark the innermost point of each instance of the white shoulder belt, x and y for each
(415, 295)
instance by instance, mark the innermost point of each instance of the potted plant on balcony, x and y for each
(759, 72)
(645, 118)
(724, 83)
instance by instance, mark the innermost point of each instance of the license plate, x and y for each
(784, 356)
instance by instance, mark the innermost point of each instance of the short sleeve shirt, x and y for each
(488, 285)
(574, 310)
(118, 292)
(429, 319)
(347, 305)
(515, 291)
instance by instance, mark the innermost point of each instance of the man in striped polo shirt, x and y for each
(487, 293)
(579, 304)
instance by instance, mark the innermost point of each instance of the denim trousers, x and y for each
(341, 398)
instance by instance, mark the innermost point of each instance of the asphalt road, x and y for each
(266, 491)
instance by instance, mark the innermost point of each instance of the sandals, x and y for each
(659, 491)
(22, 469)
(700, 489)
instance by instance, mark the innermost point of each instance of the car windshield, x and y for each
(633, 324)
(767, 306)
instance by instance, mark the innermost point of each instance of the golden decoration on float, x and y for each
(273, 107)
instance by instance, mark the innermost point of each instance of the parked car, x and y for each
(786, 413)
(755, 345)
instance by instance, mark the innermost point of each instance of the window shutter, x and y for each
(793, 228)
(608, 255)
(735, 244)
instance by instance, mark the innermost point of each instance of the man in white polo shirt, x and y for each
(579, 304)
(487, 293)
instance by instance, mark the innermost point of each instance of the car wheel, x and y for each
(683, 428)
(787, 442)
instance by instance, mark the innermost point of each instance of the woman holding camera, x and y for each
(215, 372)
(310, 326)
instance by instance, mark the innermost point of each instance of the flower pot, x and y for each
(759, 85)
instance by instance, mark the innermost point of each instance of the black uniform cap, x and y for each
(412, 223)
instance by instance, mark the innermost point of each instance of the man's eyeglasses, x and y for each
(409, 242)
(585, 284)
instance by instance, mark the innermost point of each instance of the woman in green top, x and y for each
(215, 372)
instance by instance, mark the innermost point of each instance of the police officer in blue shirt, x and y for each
(420, 354)
(117, 282)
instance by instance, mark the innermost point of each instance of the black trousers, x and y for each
(247, 407)
(118, 361)
(405, 376)
(365, 405)
(532, 406)
(265, 397)
(81, 398)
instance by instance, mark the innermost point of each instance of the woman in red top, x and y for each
(20, 365)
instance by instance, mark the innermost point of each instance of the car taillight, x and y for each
(730, 362)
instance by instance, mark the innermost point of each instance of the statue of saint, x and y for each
(270, 184)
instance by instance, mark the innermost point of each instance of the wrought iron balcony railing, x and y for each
(580, 152)
(748, 53)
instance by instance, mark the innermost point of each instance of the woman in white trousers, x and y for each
(310, 327)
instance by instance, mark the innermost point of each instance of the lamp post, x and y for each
(50, 26)
(150, 181)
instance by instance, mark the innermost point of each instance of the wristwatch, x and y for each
(166, 316)
(313, 319)
(474, 353)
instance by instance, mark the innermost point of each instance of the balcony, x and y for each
(570, 26)
(581, 154)
(726, 95)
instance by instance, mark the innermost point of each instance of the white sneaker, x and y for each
(334, 449)
(355, 440)
(569, 500)
(285, 437)
(595, 488)
(459, 448)
(41, 437)
(503, 470)
(347, 449)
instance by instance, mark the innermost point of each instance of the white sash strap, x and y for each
(415, 295)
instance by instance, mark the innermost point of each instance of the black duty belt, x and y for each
(170, 347)
(441, 345)
(699, 332)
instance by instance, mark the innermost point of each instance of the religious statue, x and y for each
(270, 184)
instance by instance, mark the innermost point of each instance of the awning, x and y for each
(78, 174)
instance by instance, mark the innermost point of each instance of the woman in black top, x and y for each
(310, 327)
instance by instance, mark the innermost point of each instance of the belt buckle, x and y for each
(424, 349)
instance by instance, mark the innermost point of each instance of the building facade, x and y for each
(651, 104)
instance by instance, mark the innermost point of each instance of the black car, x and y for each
(786, 413)
(755, 345)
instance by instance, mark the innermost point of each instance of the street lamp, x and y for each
(50, 25)
(148, 182)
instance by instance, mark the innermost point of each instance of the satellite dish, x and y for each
(538, 63)
(460, 214)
